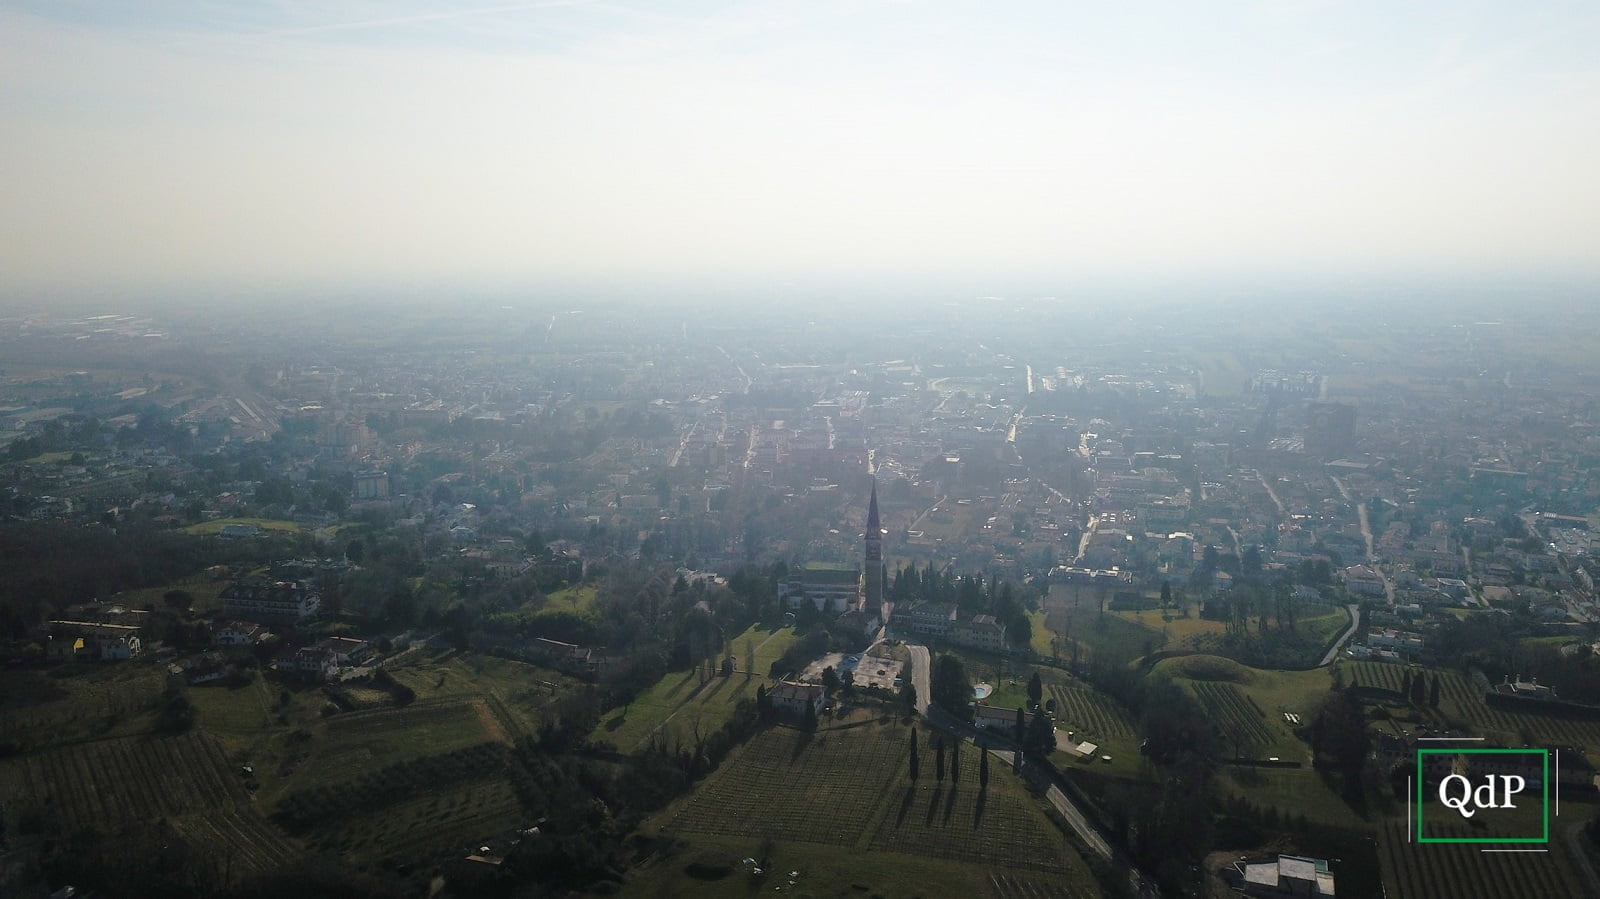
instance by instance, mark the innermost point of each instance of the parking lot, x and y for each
(867, 671)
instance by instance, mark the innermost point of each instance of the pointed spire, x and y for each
(873, 527)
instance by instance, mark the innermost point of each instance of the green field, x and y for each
(1461, 706)
(1249, 704)
(1292, 791)
(682, 700)
(1074, 613)
(525, 693)
(78, 700)
(214, 527)
(576, 599)
(140, 784)
(1448, 871)
(846, 790)
(349, 745)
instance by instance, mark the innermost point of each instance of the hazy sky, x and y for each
(328, 142)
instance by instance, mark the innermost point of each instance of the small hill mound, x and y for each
(1209, 668)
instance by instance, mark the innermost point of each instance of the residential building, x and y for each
(270, 600)
(980, 632)
(792, 696)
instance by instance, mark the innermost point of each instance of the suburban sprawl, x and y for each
(989, 597)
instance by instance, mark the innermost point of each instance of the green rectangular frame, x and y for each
(1544, 755)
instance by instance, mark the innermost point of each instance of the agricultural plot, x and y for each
(526, 692)
(77, 701)
(1292, 791)
(1235, 715)
(1002, 885)
(952, 821)
(350, 745)
(1090, 712)
(1448, 871)
(1460, 702)
(682, 701)
(433, 819)
(186, 781)
(821, 790)
(849, 788)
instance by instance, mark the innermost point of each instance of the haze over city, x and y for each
(238, 148)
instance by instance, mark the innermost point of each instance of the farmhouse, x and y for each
(325, 657)
(566, 656)
(794, 697)
(994, 718)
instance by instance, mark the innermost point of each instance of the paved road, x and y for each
(1333, 651)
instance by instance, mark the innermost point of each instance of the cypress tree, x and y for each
(914, 765)
(983, 770)
(938, 759)
(955, 761)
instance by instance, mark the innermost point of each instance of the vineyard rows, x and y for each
(1449, 871)
(1090, 712)
(851, 789)
(1459, 699)
(948, 822)
(133, 779)
(1233, 712)
(425, 822)
(238, 835)
(185, 780)
(823, 793)
(1010, 886)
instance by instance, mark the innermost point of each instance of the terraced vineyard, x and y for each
(1234, 713)
(1449, 871)
(1091, 712)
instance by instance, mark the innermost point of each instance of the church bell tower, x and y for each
(872, 570)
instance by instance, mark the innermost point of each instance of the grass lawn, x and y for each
(1292, 791)
(346, 746)
(204, 590)
(839, 808)
(212, 528)
(575, 599)
(73, 701)
(680, 701)
(1075, 611)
